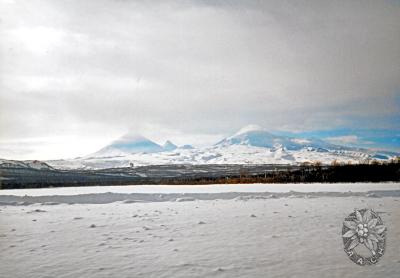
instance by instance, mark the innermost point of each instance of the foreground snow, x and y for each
(200, 232)
(208, 188)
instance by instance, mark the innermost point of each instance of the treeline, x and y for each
(305, 173)
(311, 174)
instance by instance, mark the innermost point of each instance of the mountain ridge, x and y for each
(250, 145)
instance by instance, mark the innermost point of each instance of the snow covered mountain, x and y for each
(169, 146)
(250, 145)
(128, 144)
(257, 136)
(131, 144)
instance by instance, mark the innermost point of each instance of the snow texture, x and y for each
(255, 234)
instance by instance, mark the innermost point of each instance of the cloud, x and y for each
(196, 68)
(345, 140)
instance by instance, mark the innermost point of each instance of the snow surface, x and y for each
(209, 188)
(249, 235)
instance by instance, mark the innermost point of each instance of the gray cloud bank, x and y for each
(196, 67)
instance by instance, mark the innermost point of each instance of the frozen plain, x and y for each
(191, 231)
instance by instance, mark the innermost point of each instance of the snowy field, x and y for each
(290, 230)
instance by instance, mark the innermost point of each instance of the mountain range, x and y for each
(250, 145)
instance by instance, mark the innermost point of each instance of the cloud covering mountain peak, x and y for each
(128, 143)
(249, 128)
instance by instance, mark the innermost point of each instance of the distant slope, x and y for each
(169, 146)
(27, 164)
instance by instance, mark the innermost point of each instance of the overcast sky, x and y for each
(76, 74)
